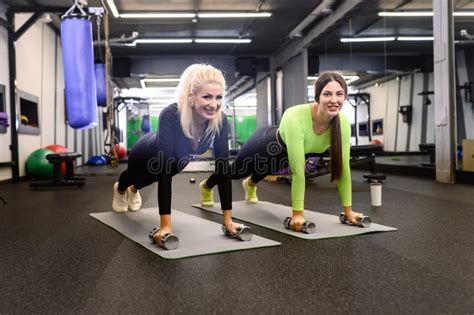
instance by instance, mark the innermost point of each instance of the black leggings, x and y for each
(138, 172)
(261, 155)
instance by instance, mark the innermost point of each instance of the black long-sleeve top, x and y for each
(176, 150)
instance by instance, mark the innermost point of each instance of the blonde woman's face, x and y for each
(208, 100)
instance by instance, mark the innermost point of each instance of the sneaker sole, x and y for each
(120, 211)
(208, 204)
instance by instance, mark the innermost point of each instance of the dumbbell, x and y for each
(363, 221)
(168, 241)
(308, 227)
(244, 233)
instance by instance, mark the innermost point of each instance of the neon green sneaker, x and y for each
(207, 195)
(250, 191)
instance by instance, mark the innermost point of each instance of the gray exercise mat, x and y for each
(196, 236)
(270, 215)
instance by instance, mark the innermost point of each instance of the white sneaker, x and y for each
(134, 200)
(119, 202)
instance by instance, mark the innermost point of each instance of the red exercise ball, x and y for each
(57, 148)
(120, 150)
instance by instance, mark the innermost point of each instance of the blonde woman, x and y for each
(188, 127)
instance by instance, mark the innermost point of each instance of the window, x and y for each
(377, 127)
(363, 129)
(28, 112)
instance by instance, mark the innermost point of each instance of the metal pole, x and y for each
(13, 113)
(110, 97)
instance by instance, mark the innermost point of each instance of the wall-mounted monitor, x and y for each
(28, 113)
(363, 129)
(377, 127)
(3, 106)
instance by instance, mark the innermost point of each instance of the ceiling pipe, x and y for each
(122, 40)
(324, 8)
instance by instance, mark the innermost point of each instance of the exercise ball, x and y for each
(120, 150)
(24, 120)
(57, 148)
(97, 160)
(376, 141)
(37, 165)
(146, 127)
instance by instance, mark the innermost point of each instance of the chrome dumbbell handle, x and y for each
(168, 241)
(244, 233)
(363, 221)
(308, 227)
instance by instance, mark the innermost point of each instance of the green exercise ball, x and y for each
(37, 164)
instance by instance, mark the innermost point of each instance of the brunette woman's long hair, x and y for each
(336, 143)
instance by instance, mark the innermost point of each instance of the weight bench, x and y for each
(430, 149)
(360, 155)
(365, 154)
(58, 180)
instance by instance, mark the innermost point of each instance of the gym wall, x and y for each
(387, 97)
(405, 98)
(465, 73)
(37, 65)
(5, 153)
(39, 68)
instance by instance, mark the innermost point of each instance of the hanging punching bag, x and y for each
(146, 124)
(100, 84)
(79, 74)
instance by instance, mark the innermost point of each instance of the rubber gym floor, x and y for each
(55, 258)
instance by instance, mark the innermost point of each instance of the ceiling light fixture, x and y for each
(190, 40)
(464, 13)
(163, 41)
(156, 106)
(157, 15)
(222, 40)
(233, 14)
(421, 13)
(192, 15)
(415, 38)
(407, 13)
(113, 8)
(143, 82)
(367, 39)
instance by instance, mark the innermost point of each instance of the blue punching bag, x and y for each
(79, 74)
(100, 83)
(146, 124)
